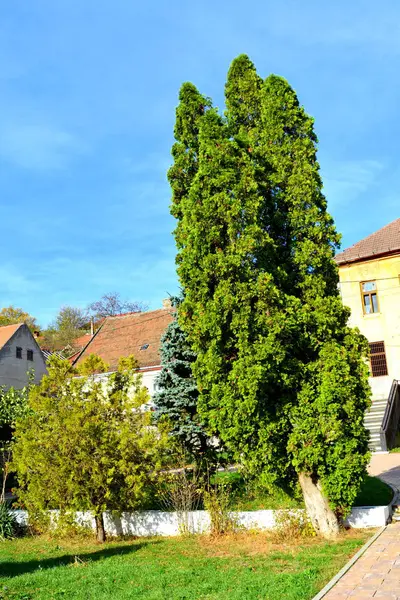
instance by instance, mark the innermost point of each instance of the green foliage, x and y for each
(70, 323)
(92, 364)
(11, 315)
(8, 523)
(13, 405)
(217, 501)
(127, 363)
(85, 444)
(282, 378)
(291, 526)
(70, 318)
(176, 398)
(248, 493)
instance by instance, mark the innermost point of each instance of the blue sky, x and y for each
(88, 91)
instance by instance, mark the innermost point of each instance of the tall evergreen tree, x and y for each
(185, 150)
(177, 395)
(282, 378)
(328, 442)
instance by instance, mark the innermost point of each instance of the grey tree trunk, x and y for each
(321, 515)
(100, 531)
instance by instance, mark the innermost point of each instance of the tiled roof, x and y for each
(383, 241)
(7, 331)
(81, 341)
(133, 333)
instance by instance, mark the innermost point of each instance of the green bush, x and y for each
(8, 522)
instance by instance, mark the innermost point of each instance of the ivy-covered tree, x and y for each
(282, 379)
(177, 393)
(85, 444)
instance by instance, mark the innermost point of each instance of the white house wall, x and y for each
(149, 380)
(13, 370)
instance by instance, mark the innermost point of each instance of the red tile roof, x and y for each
(81, 341)
(383, 241)
(132, 333)
(6, 332)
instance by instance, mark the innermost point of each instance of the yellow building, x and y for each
(369, 275)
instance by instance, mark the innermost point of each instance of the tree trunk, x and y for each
(321, 515)
(100, 531)
(5, 465)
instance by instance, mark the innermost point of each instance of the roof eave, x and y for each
(370, 257)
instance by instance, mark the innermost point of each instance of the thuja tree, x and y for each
(85, 444)
(13, 405)
(282, 378)
(177, 395)
(328, 442)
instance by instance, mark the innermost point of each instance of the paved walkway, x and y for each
(386, 467)
(377, 573)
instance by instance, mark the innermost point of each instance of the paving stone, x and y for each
(377, 573)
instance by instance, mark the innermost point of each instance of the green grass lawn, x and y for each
(246, 566)
(374, 492)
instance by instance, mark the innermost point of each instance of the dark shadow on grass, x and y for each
(14, 569)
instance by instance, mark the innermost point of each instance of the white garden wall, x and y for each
(154, 522)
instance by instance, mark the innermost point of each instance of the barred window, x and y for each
(378, 359)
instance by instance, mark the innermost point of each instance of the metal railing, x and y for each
(391, 418)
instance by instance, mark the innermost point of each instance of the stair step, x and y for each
(373, 421)
(369, 424)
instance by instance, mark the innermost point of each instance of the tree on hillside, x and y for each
(177, 395)
(282, 378)
(71, 318)
(84, 445)
(11, 315)
(70, 323)
(111, 304)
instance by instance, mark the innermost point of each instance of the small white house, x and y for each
(19, 354)
(137, 333)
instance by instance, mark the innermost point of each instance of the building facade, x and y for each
(138, 334)
(19, 354)
(369, 275)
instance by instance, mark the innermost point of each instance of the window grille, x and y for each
(378, 359)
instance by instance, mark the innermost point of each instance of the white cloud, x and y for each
(38, 147)
(346, 181)
(16, 288)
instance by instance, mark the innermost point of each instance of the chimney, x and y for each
(166, 303)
